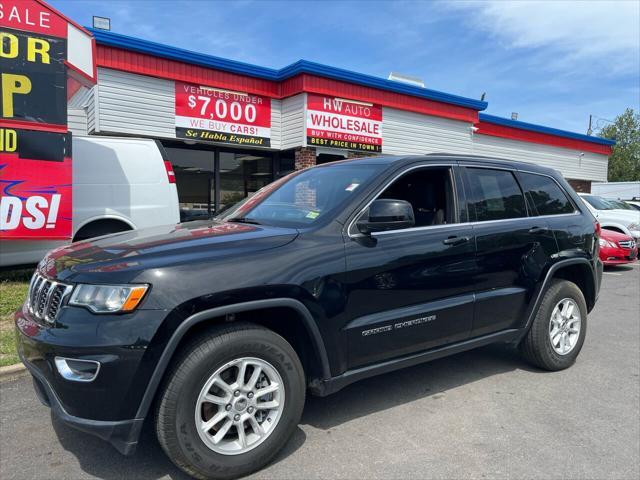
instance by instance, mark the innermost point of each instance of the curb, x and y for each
(12, 371)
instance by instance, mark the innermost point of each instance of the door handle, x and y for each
(538, 230)
(455, 240)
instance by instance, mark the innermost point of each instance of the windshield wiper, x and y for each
(244, 220)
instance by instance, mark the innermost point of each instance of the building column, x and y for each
(305, 157)
(581, 186)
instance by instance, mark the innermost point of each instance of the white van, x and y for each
(118, 184)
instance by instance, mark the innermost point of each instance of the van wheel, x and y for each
(231, 401)
(559, 328)
(100, 228)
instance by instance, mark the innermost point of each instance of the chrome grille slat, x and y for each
(42, 298)
(627, 244)
(45, 297)
(34, 292)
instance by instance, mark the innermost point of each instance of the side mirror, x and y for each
(386, 214)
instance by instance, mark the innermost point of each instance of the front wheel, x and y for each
(559, 328)
(232, 400)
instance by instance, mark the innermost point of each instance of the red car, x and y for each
(617, 248)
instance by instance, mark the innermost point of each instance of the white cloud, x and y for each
(604, 32)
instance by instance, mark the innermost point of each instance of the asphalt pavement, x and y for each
(480, 414)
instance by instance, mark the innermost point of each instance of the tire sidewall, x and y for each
(250, 344)
(555, 294)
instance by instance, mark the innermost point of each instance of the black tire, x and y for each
(536, 346)
(175, 424)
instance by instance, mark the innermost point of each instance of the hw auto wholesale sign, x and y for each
(35, 148)
(216, 115)
(341, 123)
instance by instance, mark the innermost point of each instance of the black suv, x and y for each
(216, 329)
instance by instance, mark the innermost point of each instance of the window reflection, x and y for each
(241, 175)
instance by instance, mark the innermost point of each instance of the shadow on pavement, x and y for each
(386, 391)
(375, 394)
(619, 268)
(101, 460)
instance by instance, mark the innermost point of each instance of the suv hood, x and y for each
(138, 250)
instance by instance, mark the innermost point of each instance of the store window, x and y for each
(212, 179)
(242, 174)
(285, 163)
(195, 180)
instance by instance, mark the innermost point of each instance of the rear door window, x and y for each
(545, 195)
(494, 194)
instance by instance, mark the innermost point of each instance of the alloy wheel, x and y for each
(564, 326)
(239, 406)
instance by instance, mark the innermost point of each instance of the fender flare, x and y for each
(185, 326)
(549, 276)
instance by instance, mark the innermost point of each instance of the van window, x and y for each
(494, 194)
(545, 194)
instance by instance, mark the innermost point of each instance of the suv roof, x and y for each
(435, 157)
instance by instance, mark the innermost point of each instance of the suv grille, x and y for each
(45, 297)
(627, 243)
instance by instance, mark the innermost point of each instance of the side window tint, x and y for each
(545, 194)
(495, 194)
(429, 191)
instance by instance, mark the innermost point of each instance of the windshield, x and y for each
(619, 204)
(303, 198)
(598, 203)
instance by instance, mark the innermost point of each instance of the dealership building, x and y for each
(230, 128)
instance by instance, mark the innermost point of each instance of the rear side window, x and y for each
(545, 194)
(495, 194)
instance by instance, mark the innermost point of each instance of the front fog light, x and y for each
(108, 298)
(77, 370)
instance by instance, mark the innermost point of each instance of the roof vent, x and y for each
(408, 79)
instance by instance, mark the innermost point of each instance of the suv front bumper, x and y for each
(123, 434)
(106, 407)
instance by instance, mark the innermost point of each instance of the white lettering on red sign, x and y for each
(37, 214)
(31, 16)
(219, 115)
(342, 123)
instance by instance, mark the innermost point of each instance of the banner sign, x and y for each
(35, 184)
(216, 115)
(341, 123)
(34, 78)
(35, 148)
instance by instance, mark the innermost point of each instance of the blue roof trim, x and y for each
(484, 117)
(302, 66)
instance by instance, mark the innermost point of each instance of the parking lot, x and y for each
(481, 414)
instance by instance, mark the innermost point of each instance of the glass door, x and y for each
(195, 180)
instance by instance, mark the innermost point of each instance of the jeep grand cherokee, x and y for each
(217, 329)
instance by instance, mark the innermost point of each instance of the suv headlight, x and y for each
(108, 298)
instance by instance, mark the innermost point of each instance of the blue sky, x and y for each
(552, 62)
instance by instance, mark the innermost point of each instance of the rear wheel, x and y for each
(558, 329)
(231, 401)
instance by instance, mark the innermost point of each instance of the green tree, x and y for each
(624, 163)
